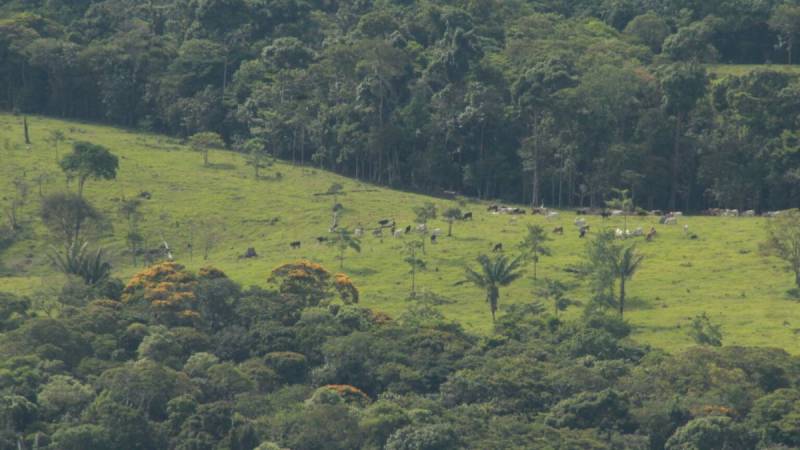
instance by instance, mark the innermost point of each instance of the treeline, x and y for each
(182, 360)
(541, 101)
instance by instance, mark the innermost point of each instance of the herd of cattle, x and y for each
(580, 223)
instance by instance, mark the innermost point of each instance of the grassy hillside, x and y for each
(721, 273)
(723, 70)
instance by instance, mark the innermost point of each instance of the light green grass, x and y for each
(721, 273)
(723, 70)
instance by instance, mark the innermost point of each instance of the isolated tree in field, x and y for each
(492, 274)
(534, 245)
(556, 292)
(425, 213)
(89, 160)
(611, 262)
(785, 21)
(342, 241)
(17, 200)
(255, 149)
(129, 210)
(414, 262)
(335, 189)
(54, 138)
(67, 216)
(783, 241)
(704, 332)
(204, 142)
(622, 202)
(451, 215)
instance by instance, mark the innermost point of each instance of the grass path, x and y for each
(720, 273)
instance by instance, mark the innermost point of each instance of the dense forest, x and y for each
(192, 361)
(542, 101)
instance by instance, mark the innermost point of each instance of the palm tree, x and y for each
(494, 274)
(625, 267)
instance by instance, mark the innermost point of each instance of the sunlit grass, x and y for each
(721, 273)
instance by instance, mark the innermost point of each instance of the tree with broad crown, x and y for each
(204, 142)
(89, 160)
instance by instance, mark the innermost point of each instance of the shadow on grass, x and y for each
(638, 303)
(221, 166)
(361, 272)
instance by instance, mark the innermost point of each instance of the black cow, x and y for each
(385, 222)
(558, 230)
(583, 231)
(433, 239)
(295, 244)
(408, 229)
(467, 216)
(498, 247)
(322, 239)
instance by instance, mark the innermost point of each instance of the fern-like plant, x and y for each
(77, 260)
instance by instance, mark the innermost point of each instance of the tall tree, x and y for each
(534, 245)
(785, 20)
(342, 241)
(492, 274)
(682, 85)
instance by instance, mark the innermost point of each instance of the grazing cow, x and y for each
(749, 213)
(551, 215)
(580, 223)
(295, 245)
(558, 230)
(145, 195)
(433, 238)
(498, 247)
(359, 231)
(671, 220)
(397, 233)
(616, 212)
(493, 208)
(583, 231)
(651, 234)
(467, 216)
(377, 232)
(619, 234)
(582, 211)
(321, 239)
(385, 222)
(422, 228)
(408, 229)
(605, 214)
(638, 232)
(436, 232)
(685, 229)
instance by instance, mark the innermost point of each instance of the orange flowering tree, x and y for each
(164, 292)
(313, 283)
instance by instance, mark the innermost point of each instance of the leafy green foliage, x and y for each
(76, 259)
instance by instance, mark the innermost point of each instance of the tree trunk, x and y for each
(205, 158)
(673, 191)
(621, 296)
(25, 127)
(450, 228)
